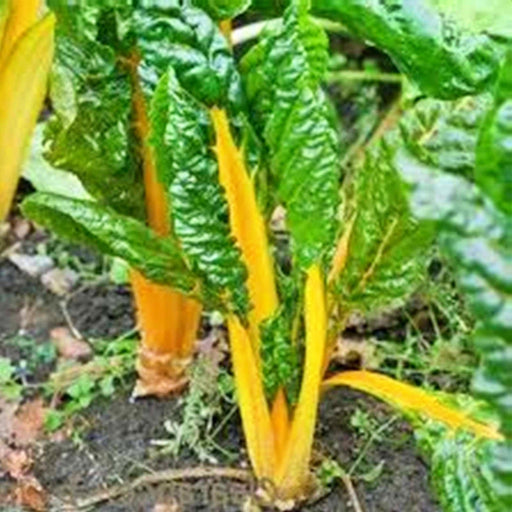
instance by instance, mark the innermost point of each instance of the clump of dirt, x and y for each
(25, 307)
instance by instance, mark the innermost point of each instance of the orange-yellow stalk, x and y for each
(20, 15)
(25, 61)
(247, 225)
(168, 320)
(409, 398)
(292, 477)
(256, 421)
(280, 416)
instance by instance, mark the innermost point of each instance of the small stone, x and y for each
(21, 228)
(34, 266)
(68, 346)
(60, 281)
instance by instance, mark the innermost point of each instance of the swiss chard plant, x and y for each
(188, 151)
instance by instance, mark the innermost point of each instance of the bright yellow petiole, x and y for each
(24, 71)
(19, 16)
(168, 319)
(409, 398)
(293, 475)
(247, 225)
(256, 419)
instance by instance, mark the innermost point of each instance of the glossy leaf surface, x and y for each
(477, 234)
(86, 222)
(186, 38)
(459, 468)
(494, 157)
(387, 248)
(223, 9)
(181, 140)
(92, 133)
(444, 58)
(282, 75)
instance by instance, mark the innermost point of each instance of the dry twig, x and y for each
(168, 475)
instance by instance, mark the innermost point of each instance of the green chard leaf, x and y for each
(388, 247)
(494, 157)
(99, 227)
(444, 57)
(282, 75)
(91, 133)
(476, 233)
(186, 38)
(280, 349)
(223, 9)
(452, 144)
(459, 468)
(182, 141)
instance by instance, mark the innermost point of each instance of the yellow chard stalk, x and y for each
(293, 475)
(409, 398)
(26, 54)
(168, 320)
(247, 225)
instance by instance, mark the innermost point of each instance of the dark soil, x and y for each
(114, 446)
(104, 311)
(115, 449)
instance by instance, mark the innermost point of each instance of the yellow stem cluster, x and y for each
(279, 440)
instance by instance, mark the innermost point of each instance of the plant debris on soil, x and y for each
(104, 452)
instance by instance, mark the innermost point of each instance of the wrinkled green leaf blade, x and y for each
(444, 58)
(86, 222)
(181, 138)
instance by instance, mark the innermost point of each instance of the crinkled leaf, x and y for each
(279, 352)
(199, 209)
(223, 9)
(494, 158)
(453, 141)
(89, 223)
(91, 133)
(186, 38)
(104, 20)
(458, 466)
(387, 247)
(282, 75)
(478, 238)
(444, 58)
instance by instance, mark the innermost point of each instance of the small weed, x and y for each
(32, 353)
(87, 266)
(363, 423)
(329, 472)
(443, 356)
(210, 389)
(10, 388)
(78, 386)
